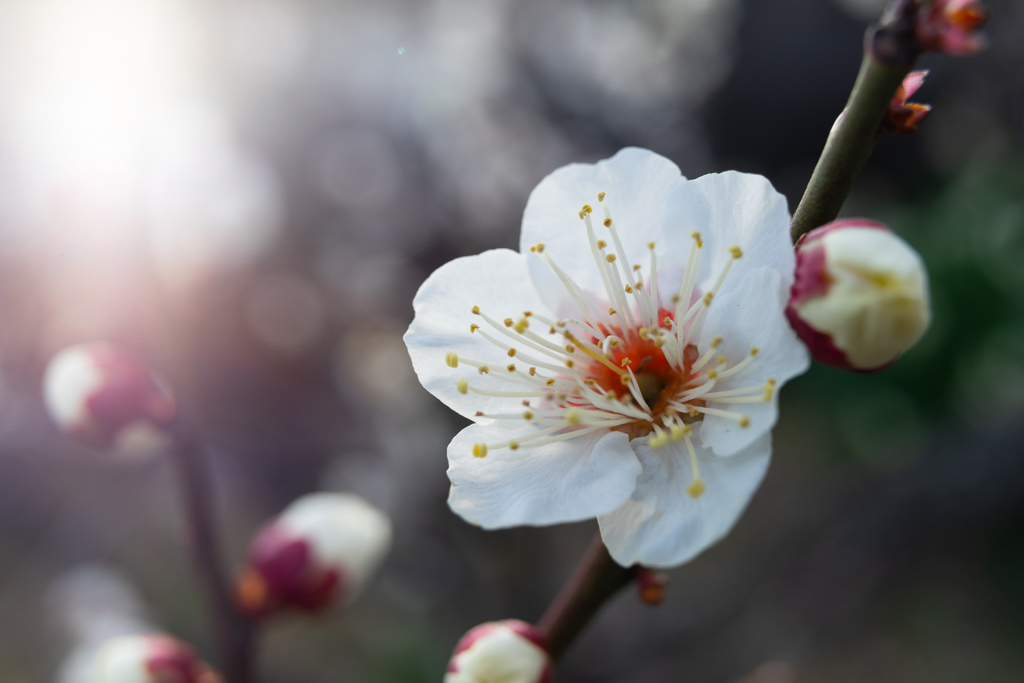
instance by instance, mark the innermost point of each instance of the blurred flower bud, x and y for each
(860, 296)
(952, 26)
(651, 586)
(153, 658)
(903, 117)
(94, 392)
(322, 549)
(510, 651)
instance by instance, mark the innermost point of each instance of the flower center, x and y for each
(627, 363)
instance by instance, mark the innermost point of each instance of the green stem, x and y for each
(889, 55)
(597, 578)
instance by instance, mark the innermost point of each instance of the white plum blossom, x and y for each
(625, 364)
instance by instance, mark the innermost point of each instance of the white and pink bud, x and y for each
(96, 393)
(321, 550)
(860, 295)
(510, 651)
(152, 658)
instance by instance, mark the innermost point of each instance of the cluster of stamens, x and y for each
(626, 364)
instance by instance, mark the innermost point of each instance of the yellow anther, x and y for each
(526, 403)
(754, 351)
(527, 415)
(659, 342)
(666, 321)
(587, 208)
(570, 348)
(720, 360)
(613, 343)
(629, 290)
(601, 244)
(480, 450)
(551, 330)
(717, 341)
(600, 196)
(550, 383)
(611, 311)
(677, 431)
(527, 313)
(607, 222)
(625, 379)
(693, 412)
(696, 236)
(695, 489)
(483, 370)
(508, 322)
(452, 359)
(560, 323)
(476, 310)
(639, 285)
(479, 413)
(582, 214)
(708, 297)
(610, 258)
(511, 367)
(771, 382)
(462, 386)
(769, 390)
(539, 247)
(473, 328)
(650, 245)
(512, 352)
(521, 325)
(744, 421)
(569, 363)
(533, 371)
(675, 298)
(513, 445)
(712, 374)
(573, 417)
(736, 252)
(657, 440)
(636, 266)
(626, 361)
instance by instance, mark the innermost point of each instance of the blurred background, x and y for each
(249, 192)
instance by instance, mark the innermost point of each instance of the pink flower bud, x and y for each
(952, 26)
(511, 651)
(904, 116)
(153, 658)
(95, 392)
(322, 549)
(860, 296)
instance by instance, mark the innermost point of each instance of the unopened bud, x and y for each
(97, 392)
(153, 658)
(860, 295)
(903, 115)
(952, 26)
(651, 586)
(510, 651)
(321, 550)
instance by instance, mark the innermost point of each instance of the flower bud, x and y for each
(860, 295)
(153, 658)
(322, 549)
(952, 26)
(96, 393)
(903, 115)
(511, 651)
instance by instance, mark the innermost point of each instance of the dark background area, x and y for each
(249, 193)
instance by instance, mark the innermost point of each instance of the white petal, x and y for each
(661, 525)
(497, 282)
(742, 209)
(751, 316)
(638, 183)
(561, 482)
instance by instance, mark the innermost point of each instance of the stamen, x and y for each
(451, 359)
